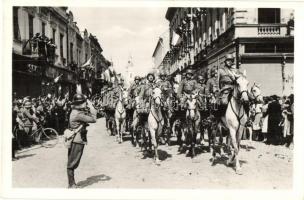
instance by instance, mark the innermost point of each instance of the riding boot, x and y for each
(71, 179)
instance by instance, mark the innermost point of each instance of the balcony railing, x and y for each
(269, 30)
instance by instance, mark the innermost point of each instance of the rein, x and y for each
(151, 110)
(237, 114)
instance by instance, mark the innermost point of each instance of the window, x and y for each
(54, 35)
(61, 45)
(31, 27)
(43, 28)
(269, 15)
(71, 51)
(16, 24)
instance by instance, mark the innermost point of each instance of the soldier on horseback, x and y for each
(187, 86)
(166, 89)
(146, 90)
(226, 80)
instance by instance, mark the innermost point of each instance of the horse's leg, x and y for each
(122, 129)
(213, 130)
(235, 146)
(250, 137)
(238, 143)
(117, 129)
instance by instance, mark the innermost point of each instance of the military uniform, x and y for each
(226, 81)
(187, 86)
(147, 89)
(201, 88)
(80, 116)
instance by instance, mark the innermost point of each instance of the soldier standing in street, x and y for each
(80, 116)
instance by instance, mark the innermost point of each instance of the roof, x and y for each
(170, 13)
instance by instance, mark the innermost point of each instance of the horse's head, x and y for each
(242, 86)
(175, 88)
(156, 95)
(137, 102)
(256, 90)
(192, 104)
(124, 96)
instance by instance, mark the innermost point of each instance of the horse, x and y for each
(235, 119)
(256, 97)
(155, 120)
(120, 115)
(136, 104)
(193, 121)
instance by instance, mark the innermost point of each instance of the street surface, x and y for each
(107, 164)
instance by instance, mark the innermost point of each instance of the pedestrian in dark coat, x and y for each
(274, 119)
(81, 115)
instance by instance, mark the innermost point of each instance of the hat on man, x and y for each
(151, 74)
(201, 78)
(137, 78)
(229, 57)
(27, 104)
(78, 99)
(189, 71)
(162, 73)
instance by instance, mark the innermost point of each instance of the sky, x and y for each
(125, 32)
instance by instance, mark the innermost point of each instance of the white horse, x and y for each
(235, 118)
(120, 115)
(155, 120)
(256, 110)
(193, 121)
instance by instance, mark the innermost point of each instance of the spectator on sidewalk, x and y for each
(274, 118)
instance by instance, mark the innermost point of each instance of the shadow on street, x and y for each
(93, 179)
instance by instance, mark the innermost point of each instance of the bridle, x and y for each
(237, 113)
(157, 107)
(193, 109)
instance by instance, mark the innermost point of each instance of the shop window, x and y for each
(269, 15)
(43, 28)
(61, 45)
(54, 35)
(31, 26)
(16, 24)
(71, 51)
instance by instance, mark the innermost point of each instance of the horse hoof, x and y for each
(157, 162)
(239, 171)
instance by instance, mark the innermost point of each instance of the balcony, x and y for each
(269, 30)
(260, 30)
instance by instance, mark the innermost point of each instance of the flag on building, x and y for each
(88, 63)
(176, 39)
(57, 78)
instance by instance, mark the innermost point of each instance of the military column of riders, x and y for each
(212, 95)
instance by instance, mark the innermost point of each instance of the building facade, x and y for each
(160, 57)
(261, 40)
(47, 44)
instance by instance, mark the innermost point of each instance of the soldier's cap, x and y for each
(137, 78)
(78, 99)
(162, 74)
(229, 57)
(27, 104)
(189, 71)
(200, 77)
(150, 74)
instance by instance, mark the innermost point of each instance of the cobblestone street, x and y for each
(107, 164)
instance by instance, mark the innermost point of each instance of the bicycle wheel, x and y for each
(49, 137)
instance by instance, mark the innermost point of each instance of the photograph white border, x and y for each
(6, 104)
